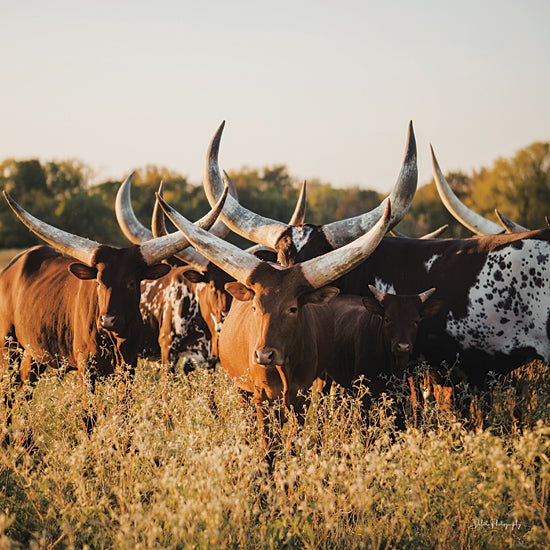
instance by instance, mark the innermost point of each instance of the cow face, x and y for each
(118, 274)
(400, 316)
(213, 303)
(276, 300)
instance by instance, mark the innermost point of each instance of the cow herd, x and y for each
(339, 302)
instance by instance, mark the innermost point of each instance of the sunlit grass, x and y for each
(181, 467)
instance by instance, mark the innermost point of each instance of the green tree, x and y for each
(519, 187)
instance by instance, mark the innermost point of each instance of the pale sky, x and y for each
(327, 88)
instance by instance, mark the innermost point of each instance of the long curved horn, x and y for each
(84, 249)
(322, 270)
(342, 232)
(239, 219)
(158, 225)
(132, 228)
(318, 271)
(300, 211)
(155, 250)
(474, 222)
(73, 245)
(234, 261)
(509, 225)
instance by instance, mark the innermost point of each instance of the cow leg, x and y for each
(415, 406)
(87, 375)
(270, 434)
(168, 356)
(27, 375)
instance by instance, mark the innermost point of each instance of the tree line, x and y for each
(60, 193)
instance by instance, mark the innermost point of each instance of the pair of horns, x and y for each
(267, 231)
(82, 249)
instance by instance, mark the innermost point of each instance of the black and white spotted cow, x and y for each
(495, 290)
(182, 316)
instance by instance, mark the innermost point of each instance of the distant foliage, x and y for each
(59, 192)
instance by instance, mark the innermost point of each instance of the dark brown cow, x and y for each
(77, 306)
(374, 338)
(277, 337)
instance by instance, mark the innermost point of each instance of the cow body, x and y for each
(276, 340)
(59, 314)
(182, 314)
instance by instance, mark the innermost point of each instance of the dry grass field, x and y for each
(182, 467)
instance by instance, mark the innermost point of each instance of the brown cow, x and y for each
(77, 306)
(277, 336)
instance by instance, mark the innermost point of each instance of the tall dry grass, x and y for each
(181, 467)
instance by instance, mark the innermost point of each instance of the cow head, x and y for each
(400, 315)
(213, 300)
(118, 274)
(276, 300)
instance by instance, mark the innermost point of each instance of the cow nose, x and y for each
(403, 348)
(264, 356)
(108, 321)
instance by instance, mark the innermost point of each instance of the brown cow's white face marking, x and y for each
(509, 304)
(383, 287)
(431, 262)
(300, 236)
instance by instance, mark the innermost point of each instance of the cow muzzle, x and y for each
(402, 348)
(108, 322)
(265, 356)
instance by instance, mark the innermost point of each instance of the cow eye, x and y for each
(387, 320)
(293, 310)
(131, 285)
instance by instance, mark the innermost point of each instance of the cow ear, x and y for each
(194, 276)
(266, 255)
(431, 308)
(156, 271)
(319, 297)
(373, 305)
(239, 291)
(83, 271)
